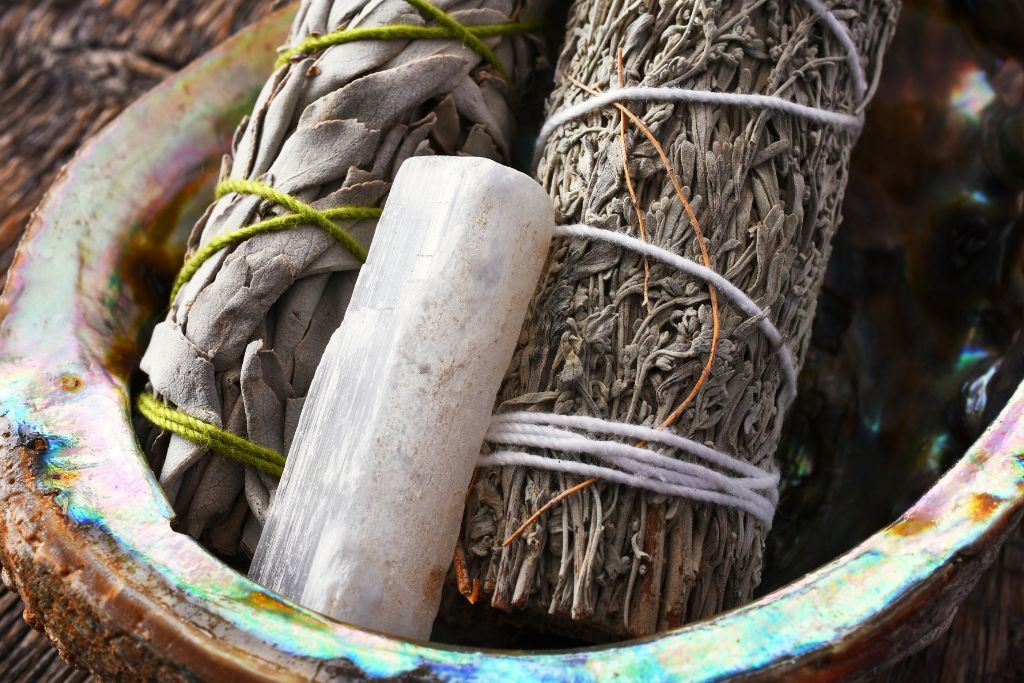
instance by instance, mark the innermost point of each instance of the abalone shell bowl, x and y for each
(85, 530)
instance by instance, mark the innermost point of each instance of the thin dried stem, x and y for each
(619, 562)
(716, 323)
(544, 508)
(471, 591)
(632, 193)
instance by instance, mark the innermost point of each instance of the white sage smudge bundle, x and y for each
(244, 336)
(613, 561)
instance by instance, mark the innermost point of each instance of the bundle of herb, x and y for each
(334, 122)
(612, 336)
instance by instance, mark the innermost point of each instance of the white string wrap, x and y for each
(842, 34)
(748, 487)
(755, 490)
(736, 295)
(852, 122)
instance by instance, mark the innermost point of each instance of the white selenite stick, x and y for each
(368, 511)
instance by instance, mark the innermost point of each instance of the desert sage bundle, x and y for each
(331, 127)
(612, 337)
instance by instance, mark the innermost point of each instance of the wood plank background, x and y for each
(68, 66)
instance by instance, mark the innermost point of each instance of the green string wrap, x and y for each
(462, 33)
(449, 28)
(209, 435)
(300, 213)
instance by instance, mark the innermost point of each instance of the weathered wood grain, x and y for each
(66, 69)
(986, 639)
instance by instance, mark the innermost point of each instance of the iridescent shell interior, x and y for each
(916, 342)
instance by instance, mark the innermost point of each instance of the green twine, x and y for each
(210, 436)
(203, 433)
(300, 213)
(461, 33)
(470, 36)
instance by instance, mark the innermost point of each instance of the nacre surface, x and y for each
(915, 340)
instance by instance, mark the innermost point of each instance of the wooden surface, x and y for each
(985, 643)
(66, 68)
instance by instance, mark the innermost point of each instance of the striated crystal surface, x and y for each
(369, 507)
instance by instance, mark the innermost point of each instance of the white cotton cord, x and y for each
(850, 122)
(638, 461)
(756, 490)
(842, 34)
(553, 438)
(596, 425)
(737, 296)
(505, 458)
